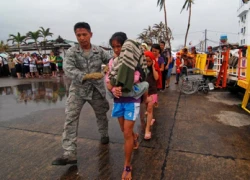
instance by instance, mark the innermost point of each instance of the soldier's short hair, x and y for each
(82, 25)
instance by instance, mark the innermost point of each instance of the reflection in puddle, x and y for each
(45, 92)
(5, 91)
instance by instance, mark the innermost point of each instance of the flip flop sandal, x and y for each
(127, 170)
(136, 142)
(152, 122)
(147, 136)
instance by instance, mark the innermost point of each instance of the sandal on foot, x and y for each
(152, 122)
(147, 136)
(136, 142)
(127, 173)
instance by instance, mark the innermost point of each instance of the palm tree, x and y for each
(17, 39)
(149, 33)
(34, 36)
(161, 29)
(162, 4)
(3, 47)
(45, 33)
(142, 37)
(156, 35)
(188, 5)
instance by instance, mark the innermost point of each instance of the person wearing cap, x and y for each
(83, 65)
(185, 55)
(210, 58)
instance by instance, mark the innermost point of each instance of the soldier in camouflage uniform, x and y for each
(83, 65)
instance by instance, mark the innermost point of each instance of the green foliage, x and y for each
(160, 3)
(187, 4)
(155, 34)
(45, 33)
(19, 39)
(34, 35)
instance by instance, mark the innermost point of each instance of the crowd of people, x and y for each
(187, 60)
(33, 65)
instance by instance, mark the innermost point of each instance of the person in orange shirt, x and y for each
(193, 56)
(179, 62)
(185, 55)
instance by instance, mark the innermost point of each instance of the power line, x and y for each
(216, 42)
(223, 32)
(188, 33)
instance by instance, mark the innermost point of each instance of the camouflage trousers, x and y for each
(73, 109)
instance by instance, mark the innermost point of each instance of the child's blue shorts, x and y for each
(130, 111)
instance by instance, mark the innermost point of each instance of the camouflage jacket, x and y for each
(76, 66)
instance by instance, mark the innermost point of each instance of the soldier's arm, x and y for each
(105, 56)
(70, 68)
(74, 73)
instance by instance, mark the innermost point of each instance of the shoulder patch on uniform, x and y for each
(96, 49)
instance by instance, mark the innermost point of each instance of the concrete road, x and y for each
(195, 136)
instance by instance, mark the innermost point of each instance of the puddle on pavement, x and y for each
(233, 118)
(46, 92)
(224, 97)
(23, 99)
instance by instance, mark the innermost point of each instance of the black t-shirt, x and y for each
(152, 82)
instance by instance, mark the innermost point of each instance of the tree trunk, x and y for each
(37, 48)
(18, 45)
(165, 15)
(188, 26)
(44, 43)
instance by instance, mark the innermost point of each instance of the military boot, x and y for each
(64, 160)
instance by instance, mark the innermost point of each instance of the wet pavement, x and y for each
(195, 136)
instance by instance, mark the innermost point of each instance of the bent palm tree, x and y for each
(34, 36)
(188, 5)
(45, 33)
(162, 4)
(19, 39)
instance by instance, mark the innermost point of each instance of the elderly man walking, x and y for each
(83, 65)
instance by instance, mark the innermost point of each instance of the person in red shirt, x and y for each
(179, 62)
(152, 78)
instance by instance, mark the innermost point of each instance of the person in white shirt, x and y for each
(46, 66)
(26, 66)
(33, 69)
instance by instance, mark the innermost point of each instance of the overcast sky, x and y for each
(130, 16)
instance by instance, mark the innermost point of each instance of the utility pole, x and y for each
(205, 39)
